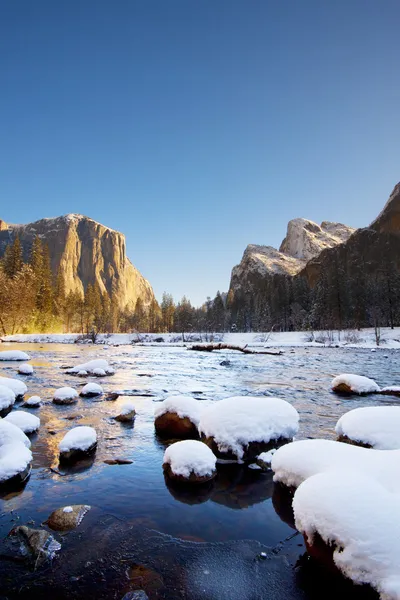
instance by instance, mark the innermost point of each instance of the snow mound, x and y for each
(10, 433)
(78, 438)
(14, 355)
(376, 426)
(25, 421)
(65, 395)
(188, 457)
(296, 462)
(126, 408)
(183, 406)
(356, 384)
(17, 386)
(236, 422)
(91, 389)
(99, 372)
(92, 366)
(7, 397)
(33, 401)
(14, 459)
(360, 518)
(25, 370)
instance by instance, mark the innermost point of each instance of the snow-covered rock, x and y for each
(65, 395)
(360, 519)
(27, 422)
(374, 426)
(25, 369)
(127, 412)
(98, 367)
(244, 426)
(33, 402)
(354, 384)
(10, 433)
(77, 442)
(7, 398)
(190, 461)
(91, 389)
(15, 459)
(306, 239)
(14, 355)
(17, 386)
(294, 463)
(264, 459)
(177, 416)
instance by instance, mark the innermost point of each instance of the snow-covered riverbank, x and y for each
(365, 338)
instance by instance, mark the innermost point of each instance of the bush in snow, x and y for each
(372, 426)
(14, 355)
(98, 367)
(15, 461)
(27, 422)
(177, 417)
(7, 399)
(25, 370)
(127, 412)
(354, 384)
(17, 386)
(78, 443)
(242, 427)
(190, 461)
(90, 390)
(65, 395)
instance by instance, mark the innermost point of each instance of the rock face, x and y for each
(305, 239)
(86, 252)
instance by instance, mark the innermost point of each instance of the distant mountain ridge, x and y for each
(84, 252)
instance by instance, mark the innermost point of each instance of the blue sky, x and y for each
(198, 127)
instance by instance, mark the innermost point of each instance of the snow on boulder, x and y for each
(190, 461)
(10, 433)
(33, 402)
(27, 422)
(354, 384)
(264, 459)
(77, 443)
(127, 412)
(7, 399)
(349, 519)
(65, 395)
(17, 386)
(98, 367)
(242, 427)
(294, 463)
(25, 369)
(178, 417)
(15, 460)
(391, 390)
(14, 355)
(90, 390)
(372, 426)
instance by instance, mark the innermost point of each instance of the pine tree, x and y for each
(12, 261)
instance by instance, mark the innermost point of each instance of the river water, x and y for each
(143, 533)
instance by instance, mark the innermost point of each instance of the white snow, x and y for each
(99, 372)
(126, 407)
(190, 456)
(391, 388)
(295, 462)
(78, 438)
(235, 422)
(27, 422)
(361, 518)
(357, 383)
(82, 373)
(33, 401)
(17, 386)
(11, 433)
(266, 457)
(183, 406)
(14, 459)
(92, 366)
(14, 355)
(25, 369)
(377, 426)
(65, 393)
(68, 509)
(7, 397)
(91, 388)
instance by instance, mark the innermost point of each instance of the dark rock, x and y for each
(67, 517)
(170, 424)
(111, 397)
(118, 461)
(40, 543)
(193, 477)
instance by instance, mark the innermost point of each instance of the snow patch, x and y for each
(27, 422)
(99, 364)
(377, 426)
(14, 355)
(190, 456)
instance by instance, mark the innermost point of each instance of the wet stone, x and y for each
(67, 517)
(41, 545)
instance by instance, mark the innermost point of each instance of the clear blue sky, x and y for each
(198, 126)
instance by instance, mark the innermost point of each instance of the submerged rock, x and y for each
(38, 542)
(67, 517)
(118, 461)
(137, 595)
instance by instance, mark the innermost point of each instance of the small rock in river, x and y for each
(68, 517)
(137, 595)
(112, 397)
(118, 461)
(40, 543)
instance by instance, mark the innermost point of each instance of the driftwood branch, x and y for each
(245, 350)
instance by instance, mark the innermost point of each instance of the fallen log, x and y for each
(245, 350)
